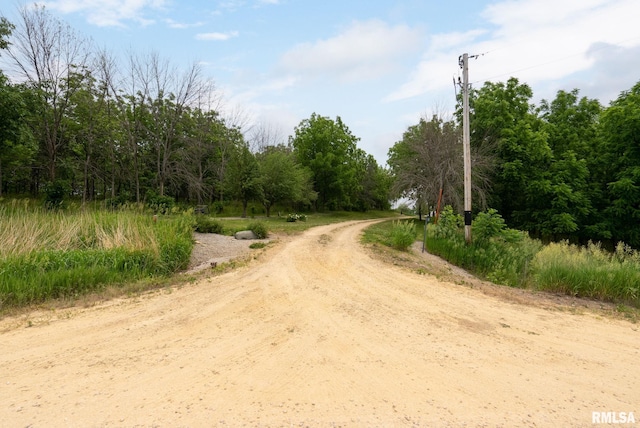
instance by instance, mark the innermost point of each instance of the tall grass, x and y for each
(402, 234)
(509, 257)
(498, 254)
(397, 234)
(589, 272)
(47, 254)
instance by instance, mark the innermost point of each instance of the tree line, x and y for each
(80, 123)
(568, 168)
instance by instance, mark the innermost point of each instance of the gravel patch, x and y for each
(211, 248)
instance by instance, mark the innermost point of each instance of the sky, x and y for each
(378, 65)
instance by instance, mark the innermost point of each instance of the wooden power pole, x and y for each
(466, 146)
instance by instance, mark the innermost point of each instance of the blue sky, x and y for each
(379, 65)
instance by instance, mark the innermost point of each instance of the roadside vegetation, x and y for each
(510, 257)
(62, 254)
(50, 254)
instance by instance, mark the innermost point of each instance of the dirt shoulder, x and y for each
(319, 332)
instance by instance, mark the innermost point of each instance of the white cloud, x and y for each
(180, 25)
(365, 50)
(108, 13)
(536, 41)
(217, 36)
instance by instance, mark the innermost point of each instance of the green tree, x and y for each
(6, 27)
(17, 146)
(328, 149)
(282, 178)
(243, 177)
(503, 120)
(375, 188)
(571, 124)
(621, 137)
(47, 52)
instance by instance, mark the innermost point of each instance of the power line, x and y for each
(564, 58)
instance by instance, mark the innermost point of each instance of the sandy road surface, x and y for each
(317, 333)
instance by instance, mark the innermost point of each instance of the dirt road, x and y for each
(317, 333)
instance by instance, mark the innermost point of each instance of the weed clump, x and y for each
(402, 235)
(259, 228)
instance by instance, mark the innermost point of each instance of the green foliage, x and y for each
(55, 194)
(259, 228)
(6, 27)
(490, 225)
(448, 224)
(295, 217)
(621, 130)
(283, 179)
(243, 178)
(589, 272)
(504, 121)
(429, 159)
(206, 224)
(402, 235)
(498, 254)
(330, 151)
(160, 204)
(68, 254)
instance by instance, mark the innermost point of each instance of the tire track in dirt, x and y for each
(317, 333)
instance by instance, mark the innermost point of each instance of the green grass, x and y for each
(589, 272)
(509, 257)
(398, 234)
(48, 255)
(280, 224)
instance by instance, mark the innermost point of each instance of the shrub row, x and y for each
(509, 257)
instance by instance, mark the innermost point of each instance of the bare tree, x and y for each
(168, 95)
(429, 160)
(46, 52)
(263, 135)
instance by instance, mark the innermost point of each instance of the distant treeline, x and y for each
(82, 124)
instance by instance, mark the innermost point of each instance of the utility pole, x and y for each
(463, 61)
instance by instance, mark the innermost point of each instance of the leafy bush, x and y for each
(160, 204)
(119, 201)
(205, 224)
(402, 235)
(259, 228)
(295, 217)
(55, 193)
(490, 225)
(497, 253)
(448, 225)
